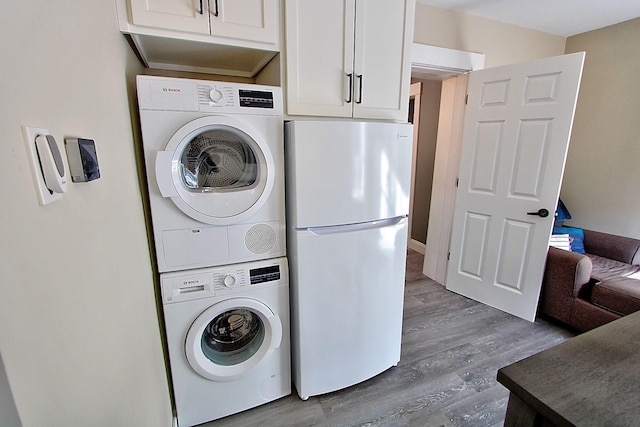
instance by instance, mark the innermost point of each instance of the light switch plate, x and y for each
(45, 196)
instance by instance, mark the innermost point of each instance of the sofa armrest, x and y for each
(619, 248)
(565, 276)
(567, 270)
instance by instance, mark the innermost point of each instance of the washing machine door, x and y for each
(230, 338)
(216, 170)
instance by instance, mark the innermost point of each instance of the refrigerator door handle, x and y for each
(334, 229)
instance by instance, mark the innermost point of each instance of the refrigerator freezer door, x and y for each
(347, 172)
(347, 297)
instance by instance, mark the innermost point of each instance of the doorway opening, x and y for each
(438, 109)
(424, 110)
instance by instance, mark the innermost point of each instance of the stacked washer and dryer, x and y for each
(214, 156)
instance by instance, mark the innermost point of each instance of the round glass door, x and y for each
(229, 338)
(232, 337)
(219, 159)
(216, 170)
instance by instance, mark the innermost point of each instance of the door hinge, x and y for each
(457, 181)
(448, 256)
(466, 99)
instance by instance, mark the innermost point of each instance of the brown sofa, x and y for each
(588, 290)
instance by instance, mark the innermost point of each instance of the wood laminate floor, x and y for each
(452, 348)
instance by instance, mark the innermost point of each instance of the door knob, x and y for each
(543, 213)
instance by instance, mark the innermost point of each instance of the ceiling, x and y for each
(561, 17)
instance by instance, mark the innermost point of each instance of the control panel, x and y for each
(221, 281)
(173, 94)
(220, 95)
(241, 278)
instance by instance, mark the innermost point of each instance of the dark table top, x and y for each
(589, 380)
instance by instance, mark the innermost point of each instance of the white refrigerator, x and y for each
(347, 189)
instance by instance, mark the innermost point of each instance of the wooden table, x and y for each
(590, 380)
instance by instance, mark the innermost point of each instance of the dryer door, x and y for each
(231, 337)
(216, 170)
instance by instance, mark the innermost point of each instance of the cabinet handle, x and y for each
(348, 100)
(359, 77)
(201, 11)
(215, 7)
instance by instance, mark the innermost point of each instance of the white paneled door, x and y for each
(515, 138)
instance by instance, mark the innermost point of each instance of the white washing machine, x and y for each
(214, 154)
(228, 338)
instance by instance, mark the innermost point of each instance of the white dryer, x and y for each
(228, 338)
(214, 154)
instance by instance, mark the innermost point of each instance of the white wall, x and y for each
(79, 332)
(602, 175)
(501, 43)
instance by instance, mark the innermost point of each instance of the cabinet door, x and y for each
(182, 15)
(384, 34)
(255, 20)
(319, 49)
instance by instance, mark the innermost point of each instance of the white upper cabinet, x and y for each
(228, 37)
(319, 57)
(384, 36)
(254, 20)
(349, 58)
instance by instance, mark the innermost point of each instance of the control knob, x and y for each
(229, 280)
(215, 95)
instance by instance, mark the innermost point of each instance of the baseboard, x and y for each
(417, 246)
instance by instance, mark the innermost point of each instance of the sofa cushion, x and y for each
(606, 268)
(620, 295)
(620, 248)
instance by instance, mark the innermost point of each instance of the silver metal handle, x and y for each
(348, 100)
(359, 77)
(215, 8)
(347, 228)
